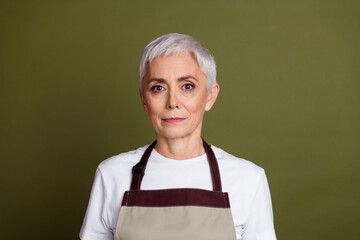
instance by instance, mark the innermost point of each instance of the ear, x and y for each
(212, 96)
(143, 101)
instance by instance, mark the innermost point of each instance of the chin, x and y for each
(178, 133)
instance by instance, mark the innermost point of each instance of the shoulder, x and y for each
(122, 162)
(228, 161)
(238, 175)
(242, 179)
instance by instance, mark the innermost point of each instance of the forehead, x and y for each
(182, 63)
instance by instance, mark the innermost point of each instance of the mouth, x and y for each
(173, 120)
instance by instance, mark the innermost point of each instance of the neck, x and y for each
(180, 148)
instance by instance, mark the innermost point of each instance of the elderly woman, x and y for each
(178, 187)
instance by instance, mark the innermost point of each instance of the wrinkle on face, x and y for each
(168, 93)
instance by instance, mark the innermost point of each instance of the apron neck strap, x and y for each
(138, 171)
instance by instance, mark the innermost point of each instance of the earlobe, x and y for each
(212, 96)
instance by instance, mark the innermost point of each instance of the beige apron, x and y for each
(176, 214)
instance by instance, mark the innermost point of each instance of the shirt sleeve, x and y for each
(260, 224)
(94, 225)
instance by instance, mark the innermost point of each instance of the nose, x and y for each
(172, 102)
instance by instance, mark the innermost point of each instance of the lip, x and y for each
(173, 120)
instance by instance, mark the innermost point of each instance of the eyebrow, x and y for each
(187, 77)
(161, 80)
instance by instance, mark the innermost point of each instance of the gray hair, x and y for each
(175, 43)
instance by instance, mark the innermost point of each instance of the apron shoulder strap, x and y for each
(214, 167)
(138, 171)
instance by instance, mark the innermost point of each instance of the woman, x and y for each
(190, 190)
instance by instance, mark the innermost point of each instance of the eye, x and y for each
(188, 86)
(157, 88)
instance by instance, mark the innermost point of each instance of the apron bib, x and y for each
(177, 214)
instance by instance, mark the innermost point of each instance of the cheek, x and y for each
(152, 106)
(198, 104)
(154, 113)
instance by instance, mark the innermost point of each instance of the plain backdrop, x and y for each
(289, 102)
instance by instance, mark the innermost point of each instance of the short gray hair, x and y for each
(175, 43)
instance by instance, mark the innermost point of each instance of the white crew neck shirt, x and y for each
(244, 181)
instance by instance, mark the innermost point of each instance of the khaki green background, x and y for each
(290, 102)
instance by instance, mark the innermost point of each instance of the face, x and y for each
(175, 96)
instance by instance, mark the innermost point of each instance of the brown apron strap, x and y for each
(214, 167)
(138, 171)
